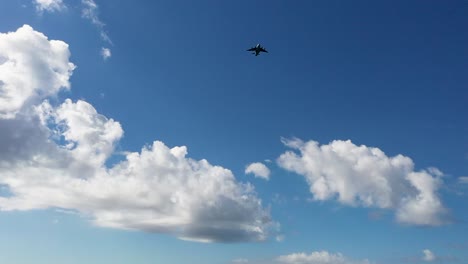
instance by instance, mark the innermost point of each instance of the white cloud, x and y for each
(106, 53)
(365, 176)
(318, 257)
(90, 11)
(463, 180)
(259, 170)
(49, 5)
(32, 68)
(53, 156)
(428, 255)
(240, 260)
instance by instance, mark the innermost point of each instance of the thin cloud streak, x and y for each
(90, 11)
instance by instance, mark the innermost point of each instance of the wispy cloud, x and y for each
(463, 180)
(91, 11)
(428, 255)
(315, 257)
(240, 261)
(318, 257)
(49, 5)
(280, 238)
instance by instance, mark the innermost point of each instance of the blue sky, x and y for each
(355, 121)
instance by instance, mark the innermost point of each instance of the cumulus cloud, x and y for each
(90, 11)
(365, 176)
(54, 156)
(32, 68)
(49, 5)
(428, 255)
(258, 170)
(318, 257)
(106, 53)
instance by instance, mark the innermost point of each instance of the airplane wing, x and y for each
(251, 49)
(264, 50)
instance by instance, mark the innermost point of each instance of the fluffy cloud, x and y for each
(90, 11)
(49, 5)
(259, 170)
(365, 176)
(428, 255)
(32, 68)
(318, 257)
(106, 53)
(54, 156)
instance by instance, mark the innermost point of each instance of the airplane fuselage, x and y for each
(257, 49)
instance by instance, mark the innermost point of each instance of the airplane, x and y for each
(257, 49)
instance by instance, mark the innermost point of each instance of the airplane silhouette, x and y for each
(257, 49)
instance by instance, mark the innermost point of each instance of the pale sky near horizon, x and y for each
(144, 132)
